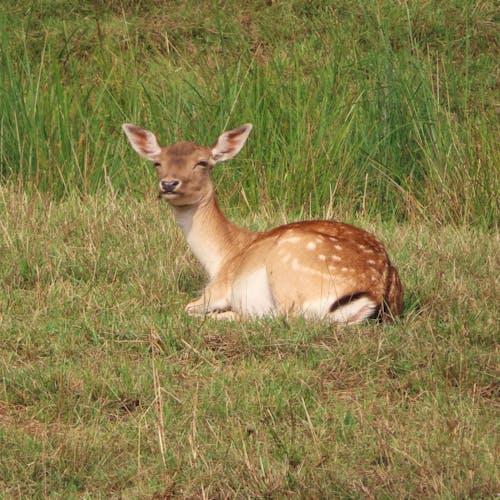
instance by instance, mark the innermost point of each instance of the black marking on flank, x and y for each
(347, 299)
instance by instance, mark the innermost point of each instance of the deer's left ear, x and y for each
(143, 141)
(229, 144)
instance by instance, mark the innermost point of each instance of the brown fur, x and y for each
(311, 268)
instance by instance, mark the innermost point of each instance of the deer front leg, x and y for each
(213, 300)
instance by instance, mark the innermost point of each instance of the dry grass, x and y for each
(109, 389)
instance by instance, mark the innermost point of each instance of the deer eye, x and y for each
(156, 164)
(203, 164)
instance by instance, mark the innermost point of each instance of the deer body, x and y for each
(316, 269)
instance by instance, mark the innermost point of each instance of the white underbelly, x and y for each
(251, 294)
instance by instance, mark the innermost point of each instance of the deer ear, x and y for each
(229, 144)
(143, 141)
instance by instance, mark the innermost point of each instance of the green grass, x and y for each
(108, 388)
(390, 106)
(382, 114)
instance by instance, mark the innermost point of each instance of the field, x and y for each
(382, 114)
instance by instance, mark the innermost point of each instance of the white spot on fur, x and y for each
(320, 271)
(371, 261)
(288, 239)
(338, 247)
(321, 257)
(337, 258)
(311, 245)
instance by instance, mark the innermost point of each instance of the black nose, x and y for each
(169, 186)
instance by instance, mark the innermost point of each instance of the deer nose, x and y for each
(169, 186)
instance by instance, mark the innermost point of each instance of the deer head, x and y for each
(183, 167)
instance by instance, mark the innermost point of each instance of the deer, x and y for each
(317, 269)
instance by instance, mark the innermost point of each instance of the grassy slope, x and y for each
(90, 323)
(107, 389)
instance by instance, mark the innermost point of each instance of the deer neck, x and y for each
(212, 237)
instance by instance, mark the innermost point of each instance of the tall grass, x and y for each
(375, 118)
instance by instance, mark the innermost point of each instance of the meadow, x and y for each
(382, 114)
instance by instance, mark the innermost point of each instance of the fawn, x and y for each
(316, 269)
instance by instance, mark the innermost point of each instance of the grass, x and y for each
(382, 114)
(108, 389)
(394, 104)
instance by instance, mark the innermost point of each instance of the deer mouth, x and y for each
(167, 195)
